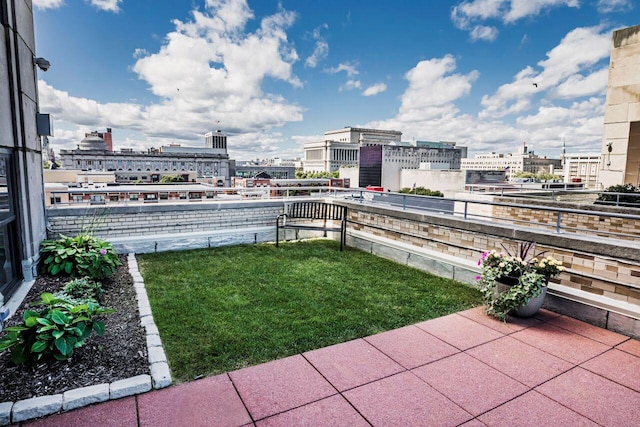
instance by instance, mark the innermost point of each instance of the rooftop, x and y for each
(462, 369)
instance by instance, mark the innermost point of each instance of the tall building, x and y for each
(341, 147)
(216, 140)
(381, 165)
(621, 134)
(582, 168)
(23, 223)
(522, 161)
(92, 154)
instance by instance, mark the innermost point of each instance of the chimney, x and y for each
(107, 138)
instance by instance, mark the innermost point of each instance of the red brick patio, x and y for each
(463, 369)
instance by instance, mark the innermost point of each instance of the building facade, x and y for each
(522, 161)
(620, 153)
(205, 162)
(264, 171)
(22, 223)
(382, 165)
(584, 168)
(341, 147)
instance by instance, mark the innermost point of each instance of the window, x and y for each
(9, 241)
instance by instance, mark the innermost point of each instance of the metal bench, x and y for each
(313, 212)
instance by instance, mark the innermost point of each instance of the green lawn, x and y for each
(225, 308)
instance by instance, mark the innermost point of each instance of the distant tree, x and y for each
(547, 176)
(523, 174)
(542, 176)
(170, 178)
(421, 191)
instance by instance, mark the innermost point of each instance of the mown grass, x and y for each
(225, 308)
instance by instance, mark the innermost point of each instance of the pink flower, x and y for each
(477, 278)
(103, 251)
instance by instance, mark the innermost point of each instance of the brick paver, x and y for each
(459, 370)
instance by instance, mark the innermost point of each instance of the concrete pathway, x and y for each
(463, 369)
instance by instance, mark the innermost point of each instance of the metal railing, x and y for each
(463, 209)
(459, 208)
(558, 192)
(116, 196)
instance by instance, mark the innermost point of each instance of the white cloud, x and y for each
(567, 104)
(48, 4)
(321, 50)
(468, 15)
(567, 72)
(374, 89)
(481, 32)
(209, 69)
(348, 68)
(608, 6)
(351, 84)
(577, 85)
(107, 5)
(432, 89)
(139, 53)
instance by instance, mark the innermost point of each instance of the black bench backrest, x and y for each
(316, 210)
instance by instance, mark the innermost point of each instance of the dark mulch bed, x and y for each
(121, 353)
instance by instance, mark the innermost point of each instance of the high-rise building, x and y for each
(522, 161)
(341, 147)
(621, 134)
(23, 224)
(217, 140)
(382, 165)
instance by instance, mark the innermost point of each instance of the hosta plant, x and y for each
(54, 331)
(83, 255)
(83, 289)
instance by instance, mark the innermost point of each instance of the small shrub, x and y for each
(83, 289)
(421, 191)
(55, 331)
(633, 199)
(83, 255)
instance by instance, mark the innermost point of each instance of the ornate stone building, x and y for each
(212, 161)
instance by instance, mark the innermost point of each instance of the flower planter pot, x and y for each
(531, 307)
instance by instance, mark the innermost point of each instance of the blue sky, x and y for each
(275, 74)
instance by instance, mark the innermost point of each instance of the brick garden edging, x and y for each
(22, 410)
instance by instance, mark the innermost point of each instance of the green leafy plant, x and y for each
(631, 198)
(53, 332)
(83, 255)
(526, 276)
(171, 178)
(83, 289)
(421, 191)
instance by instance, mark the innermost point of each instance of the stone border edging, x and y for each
(27, 409)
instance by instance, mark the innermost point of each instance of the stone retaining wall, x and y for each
(597, 225)
(156, 219)
(600, 272)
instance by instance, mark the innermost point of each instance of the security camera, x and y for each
(42, 63)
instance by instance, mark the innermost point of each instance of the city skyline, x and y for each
(273, 75)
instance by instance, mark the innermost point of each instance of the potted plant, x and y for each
(514, 283)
